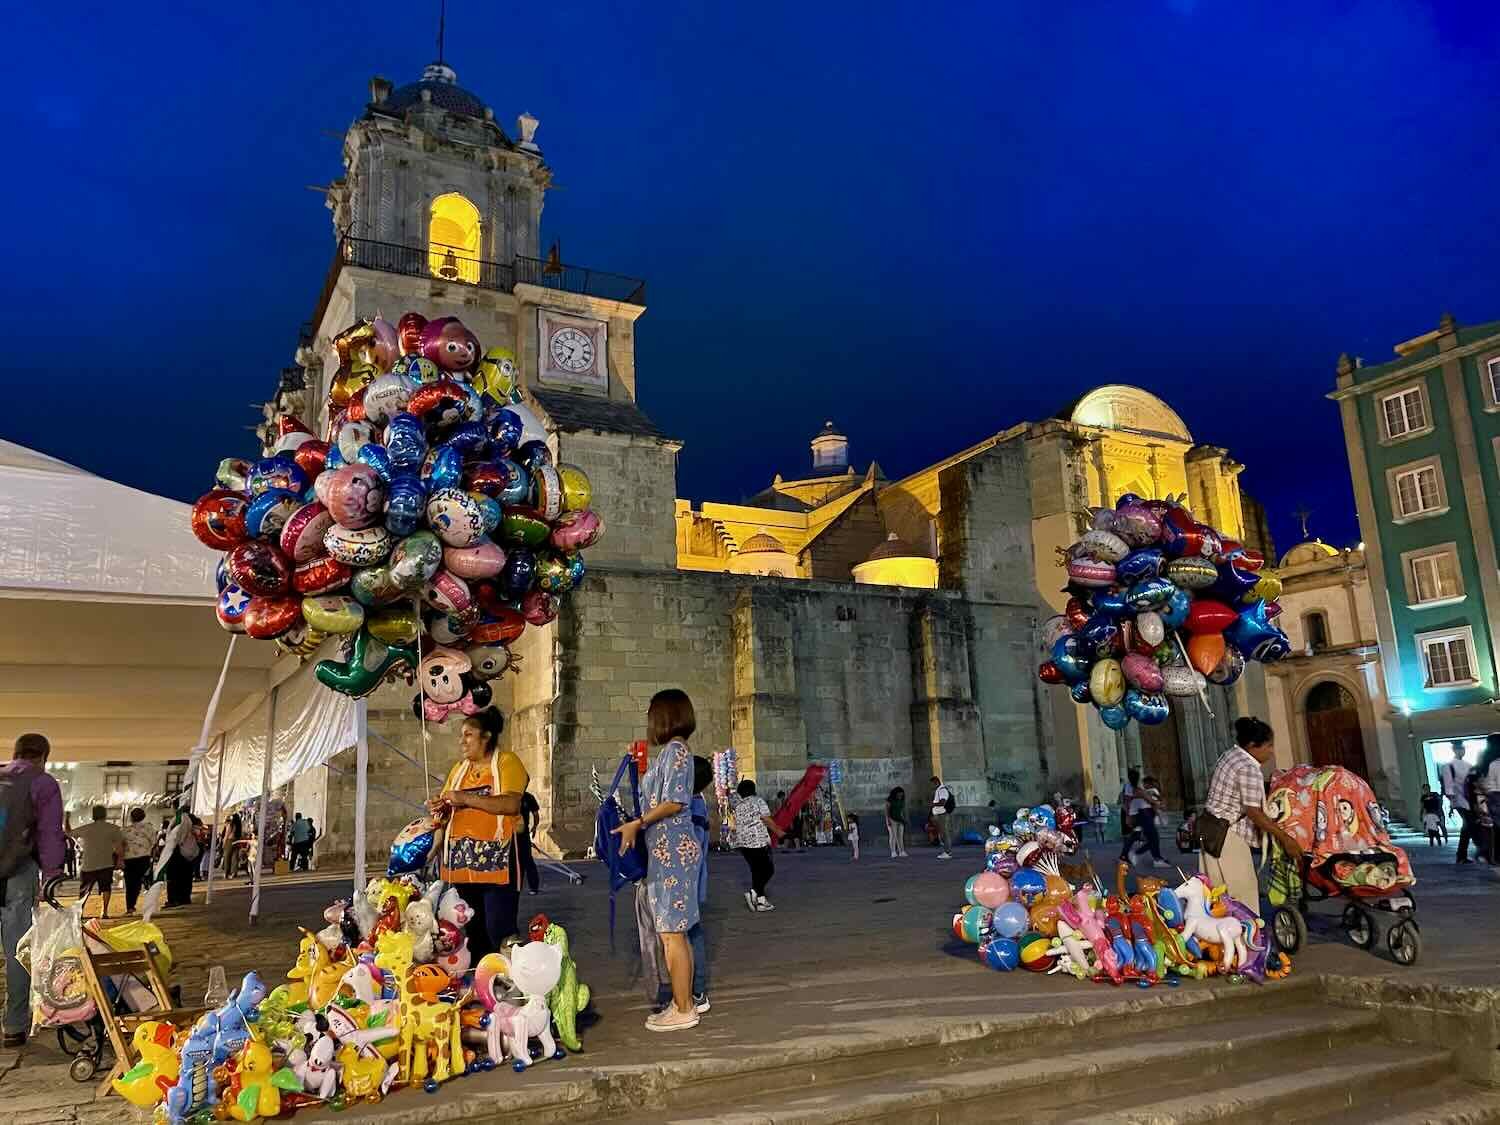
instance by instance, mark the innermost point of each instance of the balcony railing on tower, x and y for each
(456, 265)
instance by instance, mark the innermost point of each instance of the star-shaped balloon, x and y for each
(1254, 635)
(1233, 583)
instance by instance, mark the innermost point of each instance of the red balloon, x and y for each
(1076, 613)
(1180, 519)
(1250, 560)
(431, 396)
(539, 607)
(1048, 673)
(506, 627)
(1273, 610)
(259, 569)
(219, 519)
(1204, 650)
(1208, 617)
(268, 618)
(355, 411)
(321, 576)
(409, 332)
(486, 477)
(486, 592)
(311, 456)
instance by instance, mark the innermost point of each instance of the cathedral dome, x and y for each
(440, 83)
(1314, 550)
(761, 542)
(894, 547)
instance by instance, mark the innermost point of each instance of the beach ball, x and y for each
(1010, 920)
(971, 923)
(1000, 953)
(987, 889)
(1036, 953)
(1028, 884)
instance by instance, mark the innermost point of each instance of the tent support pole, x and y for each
(265, 806)
(213, 837)
(361, 786)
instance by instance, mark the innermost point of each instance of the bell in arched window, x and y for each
(449, 269)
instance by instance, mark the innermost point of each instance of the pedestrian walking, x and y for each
(672, 848)
(140, 842)
(851, 833)
(102, 845)
(1453, 778)
(943, 804)
(183, 861)
(895, 820)
(299, 841)
(531, 820)
(1099, 817)
(32, 844)
(1433, 803)
(753, 829)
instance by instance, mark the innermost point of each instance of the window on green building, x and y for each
(1434, 577)
(1449, 657)
(1492, 369)
(1405, 412)
(1417, 491)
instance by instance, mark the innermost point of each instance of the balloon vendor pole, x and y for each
(361, 786)
(1202, 689)
(265, 808)
(213, 837)
(422, 711)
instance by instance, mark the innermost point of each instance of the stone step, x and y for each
(1449, 1101)
(1024, 1082)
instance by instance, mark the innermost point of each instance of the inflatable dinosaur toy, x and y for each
(570, 997)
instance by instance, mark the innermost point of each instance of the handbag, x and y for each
(1212, 832)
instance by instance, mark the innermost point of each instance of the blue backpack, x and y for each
(630, 867)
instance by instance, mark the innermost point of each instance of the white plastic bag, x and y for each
(59, 990)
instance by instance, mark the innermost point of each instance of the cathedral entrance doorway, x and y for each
(1333, 734)
(1161, 758)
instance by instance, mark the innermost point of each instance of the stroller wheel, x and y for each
(72, 1040)
(1359, 926)
(1290, 929)
(1405, 943)
(82, 1068)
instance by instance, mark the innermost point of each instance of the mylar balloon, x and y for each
(1142, 672)
(376, 586)
(409, 333)
(443, 468)
(320, 575)
(1180, 680)
(1230, 667)
(539, 607)
(456, 517)
(1091, 572)
(1114, 717)
(1107, 682)
(268, 513)
(447, 343)
(332, 613)
(355, 497)
(267, 618)
(231, 607)
(358, 546)
(1205, 650)
(413, 844)
(1138, 565)
(394, 624)
(1052, 630)
(1150, 628)
(1175, 612)
(483, 560)
(576, 531)
(578, 493)
(1150, 708)
(405, 505)
(1150, 593)
(1209, 617)
(415, 560)
(259, 569)
(375, 456)
(1254, 635)
(1192, 573)
(405, 442)
(1072, 658)
(218, 519)
(302, 535)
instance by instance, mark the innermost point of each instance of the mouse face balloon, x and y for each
(447, 343)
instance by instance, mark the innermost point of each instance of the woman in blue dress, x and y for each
(672, 850)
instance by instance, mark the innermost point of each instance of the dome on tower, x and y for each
(439, 88)
(761, 542)
(1313, 550)
(896, 562)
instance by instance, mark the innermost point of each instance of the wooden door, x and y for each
(1333, 734)
(1161, 758)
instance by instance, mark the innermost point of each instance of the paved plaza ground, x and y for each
(852, 950)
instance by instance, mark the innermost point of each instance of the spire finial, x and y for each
(1303, 514)
(442, 26)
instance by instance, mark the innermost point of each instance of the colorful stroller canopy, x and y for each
(1333, 812)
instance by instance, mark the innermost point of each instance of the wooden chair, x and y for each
(120, 1027)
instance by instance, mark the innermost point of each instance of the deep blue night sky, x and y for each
(926, 223)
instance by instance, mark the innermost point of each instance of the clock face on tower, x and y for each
(572, 350)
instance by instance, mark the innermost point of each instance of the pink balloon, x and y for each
(991, 890)
(355, 496)
(1142, 672)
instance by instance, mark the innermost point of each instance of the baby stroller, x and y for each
(67, 991)
(1347, 854)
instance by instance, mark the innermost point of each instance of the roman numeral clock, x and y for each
(572, 351)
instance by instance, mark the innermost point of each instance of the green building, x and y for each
(1423, 438)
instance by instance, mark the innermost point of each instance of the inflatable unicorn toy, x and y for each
(1226, 933)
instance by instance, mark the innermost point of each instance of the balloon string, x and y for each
(422, 694)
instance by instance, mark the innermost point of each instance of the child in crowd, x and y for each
(1434, 828)
(753, 829)
(853, 834)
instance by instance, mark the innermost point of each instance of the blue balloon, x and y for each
(1114, 716)
(374, 455)
(444, 468)
(1175, 612)
(334, 460)
(490, 509)
(533, 454)
(1150, 593)
(1254, 635)
(221, 574)
(405, 441)
(469, 438)
(1138, 565)
(1170, 906)
(411, 847)
(405, 505)
(1230, 668)
(1233, 584)
(1112, 604)
(1001, 953)
(267, 513)
(505, 432)
(1027, 884)
(276, 472)
(1097, 630)
(1081, 693)
(1073, 658)
(1010, 920)
(519, 575)
(1150, 708)
(1128, 498)
(1046, 814)
(517, 486)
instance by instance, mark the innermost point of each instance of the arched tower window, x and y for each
(1315, 628)
(453, 239)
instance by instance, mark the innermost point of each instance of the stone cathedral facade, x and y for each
(837, 615)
